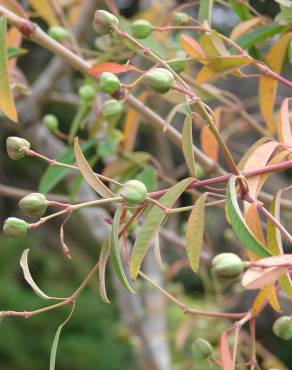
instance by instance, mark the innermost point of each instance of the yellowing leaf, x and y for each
(191, 46)
(284, 125)
(269, 293)
(209, 144)
(7, 104)
(88, 174)
(45, 10)
(213, 44)
(220, 67)
(267, 85)
(195, 232)
(244, 27)
(132, 124)
(187, 145)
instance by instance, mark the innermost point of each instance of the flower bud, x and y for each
(109, 83)
(227, 266)
(51, 122)
(33, 205)
(111, 108)
(282, 327)
(104, 22)
(177, 65)
(141, 29)
(16, 147)
(134, 192)
(58, 33)
(180, 18)
(86, 92)
(15, 227)
(159, 79)
(202, 349)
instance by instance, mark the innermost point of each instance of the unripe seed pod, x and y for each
(33, 205)
(51, 122)
(202, 349)
(15, 227)
(159, 79)
(16, 147)
(104, 22)
(178, 65)
(282, 327)
(109, 83)
(86, 92)
(134, 192)
(58, 33)
(111, 108)
(227, 266)
(141, 29)
(180, 18)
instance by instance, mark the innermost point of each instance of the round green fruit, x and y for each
(58, 33)
(15, 227)
(202, 349)
(87, 92)
(159, 79)
(16, 147)
(111, 108)
(109, 83)
(134, 192)
(33, 205)
(282, 327)
(141, 29)
(105, 22)
(227, 266)
(51, 122)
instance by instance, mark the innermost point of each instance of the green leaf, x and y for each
(149, 178)
(88, 174)
(238, 223)
(195, 232)
(181, 107)
(115, 251)
(274, 240)
(187, 145)
(7, 105)
(56, 340)
(259, 35)
(54, 175)
(152, 224)
(241, 10)
(103, 257)
(205, 11)
(13, 52)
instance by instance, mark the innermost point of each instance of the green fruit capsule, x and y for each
(15, 227)
(33, 205)
(16, 147)
(202, 349)
(134, 192)
(104, 22)
(227, 266)
(282, 327)
(159, 79)
(111, 108)
(177, 65)
(51, 122)
(58, 33)
(180, 18)
(86, 92)
(141, 29)
(109, 83)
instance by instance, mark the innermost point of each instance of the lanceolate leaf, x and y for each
(45, 10)
(267, 85)
(256, 278)
(269, 292)
(187, 145)
(103, 257)
(284, 125)
(213, 44)
(56, 340)
(259, 35)
(243, 27)
(172, 113)
(205, 11)
(115, 252)
(152, 224)
(241, 10)
(195, 232)
(88, 174)
(7, 104)
(28, 277)
(97, 69)
(208, 141)
(225, 354)
(191, 46)
(238, 223)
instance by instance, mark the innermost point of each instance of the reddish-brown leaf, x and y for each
(256, 277)
(225, 354)
(284, 126)
(14, 7)
(209, 144)
(97, 69)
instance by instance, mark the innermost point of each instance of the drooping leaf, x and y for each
(45, 10)
(269, 292)
(195, 232)
(56, 340)
(284, 125)
(208, 141)
(7, 105)
(54, 175)
(103, 257)
(238, 223)
(115, 252)
(97, 69)
(187, 145)
(243, 27)
(250, 152)
(259, 35)
(89, 175)
(28, 277)
(225, 354)
(241, 10)
(156, 248)
(205, 11)
(191, 46)
(152, 224)
(267, 85)
(65, 248)
(256, 278)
